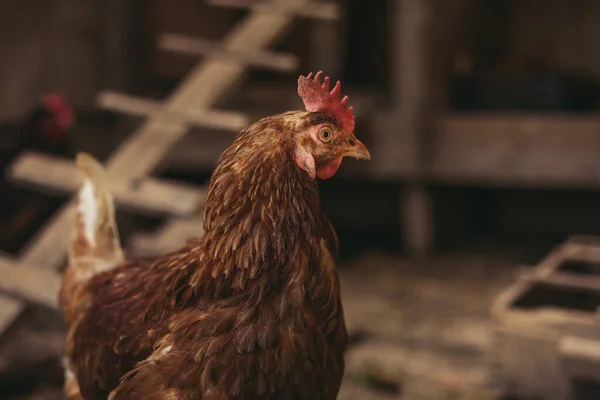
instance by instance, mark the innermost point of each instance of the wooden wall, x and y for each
(72, 46)
(562, 34)
(555, 34)
(190, 17)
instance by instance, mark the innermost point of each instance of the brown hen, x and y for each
(251, 310)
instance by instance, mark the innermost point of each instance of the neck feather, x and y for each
(263, 218)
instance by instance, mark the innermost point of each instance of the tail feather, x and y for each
(95, 244)
(96, 234)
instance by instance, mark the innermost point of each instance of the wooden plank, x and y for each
(496, 150)
(543, 151)
(326, 11)
(575, 248)
(581, 357)
(152, 196)
(227, 120)
(185, 44)
(29, 282)
(145, 148)
(411, 98)
(565, 280)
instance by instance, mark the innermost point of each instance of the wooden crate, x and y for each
(547, 329)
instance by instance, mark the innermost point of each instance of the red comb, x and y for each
(318, 98)
(58, 105)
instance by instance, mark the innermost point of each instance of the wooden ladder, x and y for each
(172, 234)
(33, 276)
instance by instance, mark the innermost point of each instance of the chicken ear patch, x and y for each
(306, 161)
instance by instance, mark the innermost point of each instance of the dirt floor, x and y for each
(423, 330)
(420, 331)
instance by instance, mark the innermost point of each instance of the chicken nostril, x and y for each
(351, 142)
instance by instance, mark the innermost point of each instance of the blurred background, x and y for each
(461, 274)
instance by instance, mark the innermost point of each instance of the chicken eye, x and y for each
(325, 134)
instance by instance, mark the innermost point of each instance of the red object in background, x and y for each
(62, 118)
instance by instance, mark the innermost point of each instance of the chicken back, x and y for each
(250, 310)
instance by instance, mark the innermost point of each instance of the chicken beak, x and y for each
(356, 149)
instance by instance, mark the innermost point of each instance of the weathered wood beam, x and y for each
(146, 147)
(411, 97)
(152, 196)
(188, 45)
(326, 11)
(133, 105)
(501, 150)
(542, 151)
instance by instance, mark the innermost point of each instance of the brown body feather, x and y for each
(251, 310)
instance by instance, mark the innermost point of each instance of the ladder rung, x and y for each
(565, 280)
(133, 105)
(202, 47)
(153, 196)
(314, 10)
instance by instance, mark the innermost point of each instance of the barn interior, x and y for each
(470, 242)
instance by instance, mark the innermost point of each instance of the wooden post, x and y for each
(410, 74)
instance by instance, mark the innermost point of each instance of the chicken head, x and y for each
(327, 134)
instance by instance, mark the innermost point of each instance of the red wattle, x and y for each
(327, 171)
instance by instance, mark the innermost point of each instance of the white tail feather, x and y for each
(88, 210)
(95, 245)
